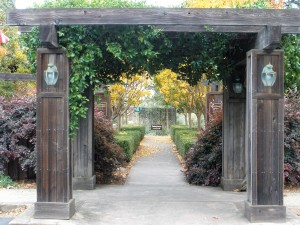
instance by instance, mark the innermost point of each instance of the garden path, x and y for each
(155, 193)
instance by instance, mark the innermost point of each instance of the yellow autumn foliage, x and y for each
(276, 4)
(127, 92)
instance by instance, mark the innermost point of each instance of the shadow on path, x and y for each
(156, 193)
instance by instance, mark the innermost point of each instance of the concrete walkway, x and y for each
(155, 193)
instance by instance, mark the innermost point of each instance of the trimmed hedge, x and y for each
(126, 142)
(183, 137)
(129, 139)
(139, 128)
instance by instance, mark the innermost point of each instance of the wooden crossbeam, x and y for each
(17, 77)
(48, 36)
(269, 38)
(224, 29)
(286, 18)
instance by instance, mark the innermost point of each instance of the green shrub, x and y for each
(127, 143)
(174, 128)
(142, 129)
(184, 139)
(6, 181)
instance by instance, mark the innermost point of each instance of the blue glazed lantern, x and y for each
(268, 76)
(51, 74)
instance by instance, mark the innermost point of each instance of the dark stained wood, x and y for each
(269, 38)
(17, 77)
(48, 36)
(24, 29)
(83, 149)
(154, 16)
(264, 139)
(233, 157)
(209, 28)
(54, 186)
(224, 29)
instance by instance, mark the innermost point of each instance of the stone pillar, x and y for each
(54, 174)
(264, 139)
(83, 149)
(233, 157)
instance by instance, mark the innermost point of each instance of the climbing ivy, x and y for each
(100, 54)
(291, 47)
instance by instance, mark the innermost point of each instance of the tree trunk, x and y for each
(167, 119)
(119, 123)
(190, 119)
(198, 121)
(185, 118)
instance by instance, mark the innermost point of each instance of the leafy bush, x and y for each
(129, 142)
(184, 139)
(204, 159)
(108, 155)
(6, 181)
(142, 129)
(292, 138)
(18, 131)
(126, 142)
(129, 139)
(174, 128)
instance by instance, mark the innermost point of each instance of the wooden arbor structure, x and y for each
(253, 127)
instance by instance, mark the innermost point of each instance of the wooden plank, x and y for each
(24, 29)
(210, 29)
(269, 38)
(154, 16)
(48, 36)
(224, 29)
(17, 77)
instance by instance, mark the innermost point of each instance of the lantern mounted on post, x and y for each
(237, 86)
(51, 74)
(268, 76)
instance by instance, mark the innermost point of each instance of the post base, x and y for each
(231, 184)
(265, 213)
(84, 183)
(54, 210)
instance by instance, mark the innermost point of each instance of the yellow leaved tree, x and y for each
(277, 4)
(128, 92)
(181, 95)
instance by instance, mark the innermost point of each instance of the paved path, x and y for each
(155, 193)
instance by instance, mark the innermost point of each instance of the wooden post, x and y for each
(233, 157)
(83, 149)
(54, 175)
(264, 139)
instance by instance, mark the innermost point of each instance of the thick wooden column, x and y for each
(83, 149)
(54, 174)
(264, 139)
(233, 157)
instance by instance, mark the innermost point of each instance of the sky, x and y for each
(22, 4)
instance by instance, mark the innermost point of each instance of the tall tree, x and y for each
(128, 92)
(12, 56)
(180, 94)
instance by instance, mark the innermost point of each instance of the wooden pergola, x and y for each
(253, 121)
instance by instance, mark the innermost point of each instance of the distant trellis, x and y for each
(157, 116)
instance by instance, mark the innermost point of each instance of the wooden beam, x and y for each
(223, 29)
(219, 29)
(24, 29)
(269, 38)
(48, 36)
(17, 77)
(157, 16)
